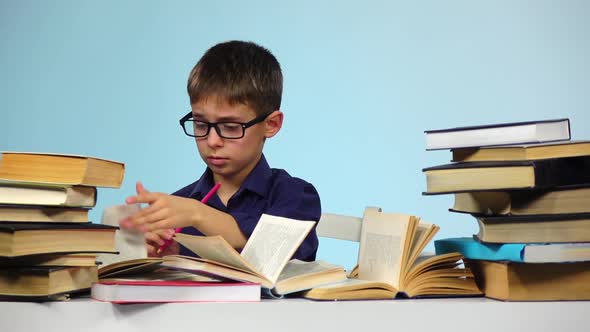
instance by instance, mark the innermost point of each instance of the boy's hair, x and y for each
(238, 72)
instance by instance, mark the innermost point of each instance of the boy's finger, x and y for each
(132, 220)
(140, 189)
(145, 211)
(151, 250)
(148, 198)
(154, 238)
(166, 234)
(148, 216)
(160, 224)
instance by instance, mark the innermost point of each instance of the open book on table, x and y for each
(144, 280)
(391, 265)
(266, 258)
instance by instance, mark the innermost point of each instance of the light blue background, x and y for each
(363, 80)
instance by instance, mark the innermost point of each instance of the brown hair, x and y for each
(238, 72)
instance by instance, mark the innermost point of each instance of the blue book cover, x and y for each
(473, 249)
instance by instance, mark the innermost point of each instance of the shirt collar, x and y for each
(257, 181)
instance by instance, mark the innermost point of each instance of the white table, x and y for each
(474, 314)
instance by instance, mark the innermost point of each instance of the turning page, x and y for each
(215, 248)
(129, 243)
(424, 234)
(273, 243)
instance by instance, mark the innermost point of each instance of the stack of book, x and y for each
(528, 186)
(48, 245)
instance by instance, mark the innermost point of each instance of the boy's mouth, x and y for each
(216, 161)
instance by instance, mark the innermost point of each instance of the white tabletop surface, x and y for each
(474, 314)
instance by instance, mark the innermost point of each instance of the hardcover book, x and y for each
(562, 149)
(507, 175)
(27, 193)
(51, 168)
(37, 213)
(22, 239)
(515, 252)
(559, 200)
(561, 228)
(49, 260)
(499, 134)
(44, 282)
(532, 282)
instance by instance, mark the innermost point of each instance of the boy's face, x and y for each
(230, 159)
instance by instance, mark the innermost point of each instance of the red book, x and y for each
(158, 291)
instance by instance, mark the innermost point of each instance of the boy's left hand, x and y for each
(164, 211)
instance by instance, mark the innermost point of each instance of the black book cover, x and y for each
(46, 207)
(39, 269)
(533, 218)
(12, 227)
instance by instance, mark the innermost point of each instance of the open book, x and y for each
(144, 280)
(390, 264)
(265, 259)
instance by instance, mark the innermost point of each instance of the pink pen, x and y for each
(177, 230)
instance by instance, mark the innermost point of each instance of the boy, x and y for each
(235, 94)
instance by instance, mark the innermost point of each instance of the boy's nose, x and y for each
(213, 139)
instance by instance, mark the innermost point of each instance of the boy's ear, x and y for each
(273, 124)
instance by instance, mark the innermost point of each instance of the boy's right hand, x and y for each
(156, 239)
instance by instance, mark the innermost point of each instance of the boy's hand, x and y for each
(156, 239)
(164, 211)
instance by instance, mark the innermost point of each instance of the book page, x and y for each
(296, 268)
(273, 243)
(382, 246)
(423, 234)
(215, 248)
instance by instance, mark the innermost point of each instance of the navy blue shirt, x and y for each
(265, 190)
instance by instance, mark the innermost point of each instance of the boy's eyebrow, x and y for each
(227, 118)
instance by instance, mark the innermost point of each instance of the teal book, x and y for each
(515, 252)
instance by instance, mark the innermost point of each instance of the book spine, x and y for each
(562, 172)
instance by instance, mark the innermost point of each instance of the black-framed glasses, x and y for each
(225, 129)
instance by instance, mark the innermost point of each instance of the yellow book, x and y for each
(50, 260)
(45, 282)
(533, 281)
(507, 175)
(561, 149)
(17, 213)
(22, 239)
(62, 169)
(534, 228)
(566, 200)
